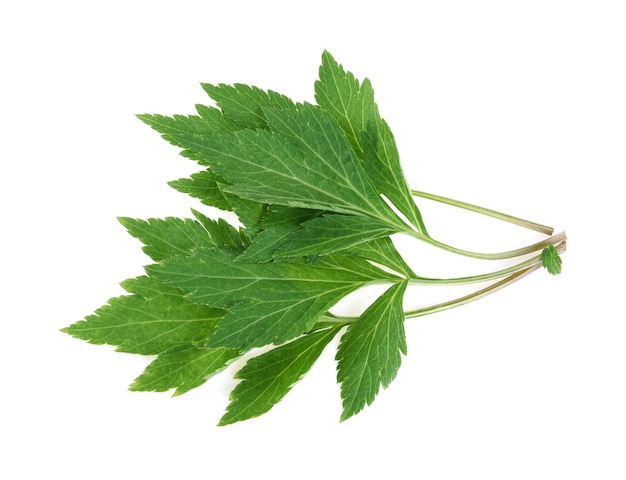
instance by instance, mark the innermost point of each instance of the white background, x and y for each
(518, 106)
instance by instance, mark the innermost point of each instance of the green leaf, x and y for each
(352, 104)
(205, 186)
(164, 238)
(319, 193)
(266, 243)
(211, 122)
(244, 104)
(383, 252)
(267, 378)
(332, 233)
(266, 302)
(281, 222)
(152, 320)
(381, 161)
(309, 165)
(369, 352)
(208, 187)
(249, 212)
(277, 225)
(551, 260)
(183, 368)
(345, 99)
(222, 233)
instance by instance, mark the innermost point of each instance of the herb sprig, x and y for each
(319, 192)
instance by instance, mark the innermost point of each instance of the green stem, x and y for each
(486, 211)
(330, 319)
(482, 277)
(493, 256)
(457, 302)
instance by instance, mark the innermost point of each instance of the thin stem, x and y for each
(330, 319)
(457, 302)
(479, 278)
(493, 256)
(486, 211)
(333, 320)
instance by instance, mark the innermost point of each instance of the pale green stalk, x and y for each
(536, 260)
(492, 256)
(519, 272)
(486, 211)
(553, 240)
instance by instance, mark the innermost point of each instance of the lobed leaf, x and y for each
(154, 319)
(266, 302)
(223, 234)
(276, 227)
(267, 378)
(383, 252)
(331, 233)
(369, 352)
(210, 122)
(381, 161)
(310, 185)
(205, 186)
(345, 99)
(164, 238)
(183, 368)
(310, 165)
(244, 104)
(352, 104)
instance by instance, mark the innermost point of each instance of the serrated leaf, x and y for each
(208, 187)
(352, 104)
(211, 122)
(382, 251)
(244, 104)
(266, 243)
(313, 168)
(319, 191)
(205, 186)
(345, 99)
(267, 378)
(381, 161)
(266, 302)
(154, 319)
(281, 222)
(551, 260)
(183, 368)
(324, 148)
(249, 212)
(331, 233)
(369, 352)
(277, 225)
(164, 238)
(222, 233)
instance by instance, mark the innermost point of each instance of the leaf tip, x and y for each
(145, 118)
(225, 420)
(125, 221)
